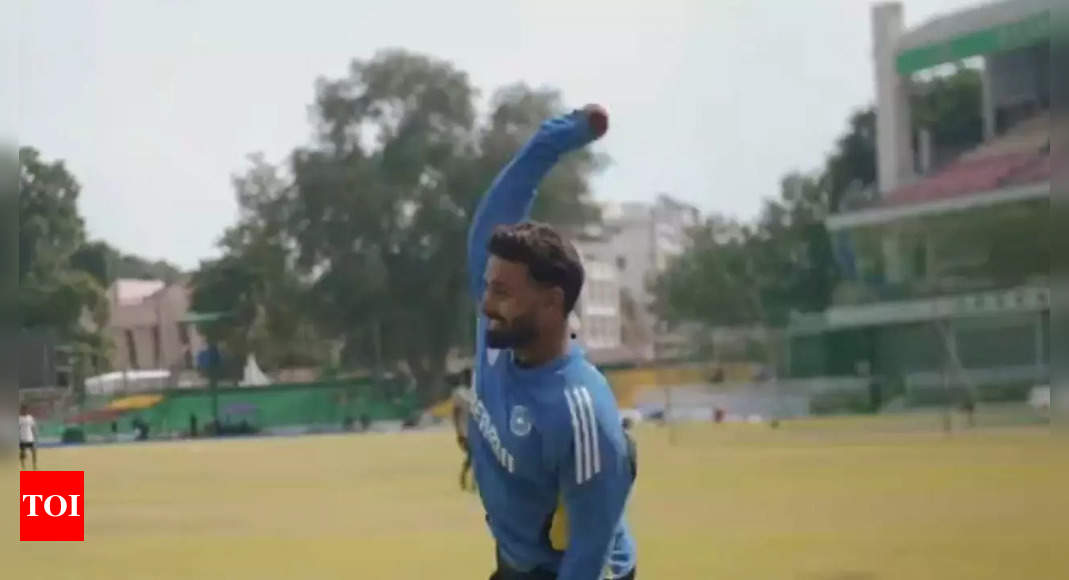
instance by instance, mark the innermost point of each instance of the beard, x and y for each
(515, 334)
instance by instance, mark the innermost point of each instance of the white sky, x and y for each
(154, 104)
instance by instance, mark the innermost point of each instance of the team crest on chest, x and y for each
(520, 421)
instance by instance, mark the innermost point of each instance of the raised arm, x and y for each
(512, 192)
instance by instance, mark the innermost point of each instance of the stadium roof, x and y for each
(1013, 167)
(962, 186)
(991, 27)
(970, 177)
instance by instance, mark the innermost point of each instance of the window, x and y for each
(157, 347)
(131, 350)
(183, 339)
(621, 263)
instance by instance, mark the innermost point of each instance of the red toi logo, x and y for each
(52, 506)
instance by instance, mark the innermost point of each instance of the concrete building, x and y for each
(145, 326)
(598, 308)
(622, 256)
(645, 237)
(945, 271)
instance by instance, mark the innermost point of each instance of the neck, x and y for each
(551, 346)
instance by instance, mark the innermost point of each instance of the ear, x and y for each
(555, 297)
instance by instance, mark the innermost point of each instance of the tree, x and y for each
(851, 168)
(785, 261)
(254, 282)
(715, 281)
(734, 274)
(53, 293)
(107, 264)
(951, 108)
(377, 212)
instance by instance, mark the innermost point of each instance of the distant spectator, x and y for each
(27, 436)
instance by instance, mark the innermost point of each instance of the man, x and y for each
(27, 436)
(461, 417)
(552, 463)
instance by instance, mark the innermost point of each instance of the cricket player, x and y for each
(552, 463)
(461, 419)
(27, 436)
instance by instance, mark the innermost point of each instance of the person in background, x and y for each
(461, 416)
(27, 436)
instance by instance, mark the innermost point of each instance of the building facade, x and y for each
(641, 239)
(946, 269)
(645, 238)
(146, 326)
(598, 308)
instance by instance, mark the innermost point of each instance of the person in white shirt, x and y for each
(27, 436)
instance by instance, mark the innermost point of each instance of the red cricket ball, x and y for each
(598, 119)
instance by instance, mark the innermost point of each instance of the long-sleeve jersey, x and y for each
(552, 463)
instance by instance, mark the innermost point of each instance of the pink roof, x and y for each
(969, 177)
(135, 291)
(1038, 170)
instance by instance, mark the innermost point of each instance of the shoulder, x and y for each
(581, 402)
(584, 383)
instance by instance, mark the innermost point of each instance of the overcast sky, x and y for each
(155, 104)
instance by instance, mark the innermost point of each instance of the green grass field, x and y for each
(855, 499)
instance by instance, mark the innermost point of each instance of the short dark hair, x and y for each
(550, 259)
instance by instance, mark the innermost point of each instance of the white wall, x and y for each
(894, 149)
(599, 301)
(637, 243)
(647, 236)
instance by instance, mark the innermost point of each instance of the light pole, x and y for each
(208, 321)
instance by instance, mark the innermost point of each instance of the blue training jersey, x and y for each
(552, 463)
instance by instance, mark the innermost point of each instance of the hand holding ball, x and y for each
(598, 120)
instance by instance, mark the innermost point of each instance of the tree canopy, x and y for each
(359, 237)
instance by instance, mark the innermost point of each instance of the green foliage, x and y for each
(107, 264)
(53, 293)
(366, 242)
(715, 282)
(62, 276)
(951, 108)
(784, 261)
(741, 275)
(254, 285)
(852, 166)
(1011, 243)
(50, 227)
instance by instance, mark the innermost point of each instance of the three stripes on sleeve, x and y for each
(585, 434)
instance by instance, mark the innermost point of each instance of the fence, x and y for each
(325, 406)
